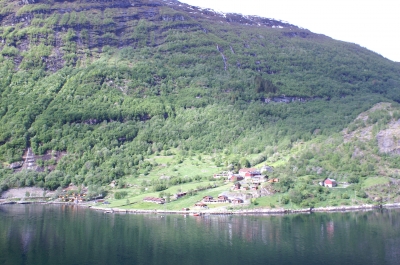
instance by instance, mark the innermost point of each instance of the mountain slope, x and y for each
(112, 83)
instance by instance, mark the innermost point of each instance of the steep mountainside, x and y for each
(96, 89)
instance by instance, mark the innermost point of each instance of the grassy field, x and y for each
(369, 182)
(134, 201)
(202, 167)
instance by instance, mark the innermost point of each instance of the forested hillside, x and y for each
(109, 85)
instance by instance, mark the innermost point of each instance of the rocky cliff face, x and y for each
(157, 10)
(389, 139)
(381, 123)
(81, 29)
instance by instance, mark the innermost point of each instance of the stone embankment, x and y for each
(220, 211)
(346, 208)
(253, 211)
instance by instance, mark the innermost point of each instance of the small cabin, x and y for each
(223, 198)
(330, 183)
(179, 195)
(207, 198)
(236, 201)
(235, 177)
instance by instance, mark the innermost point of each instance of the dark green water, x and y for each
(44, 234)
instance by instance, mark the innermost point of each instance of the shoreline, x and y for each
(259, 211)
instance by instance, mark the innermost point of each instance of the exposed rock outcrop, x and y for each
(389, 139)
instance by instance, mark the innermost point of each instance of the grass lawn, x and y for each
(136, 201)
(369, 182)
(267, 202)
(169, 166)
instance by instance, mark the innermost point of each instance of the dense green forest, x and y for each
(112, 84)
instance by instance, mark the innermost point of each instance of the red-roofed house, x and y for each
(330, 183)
(252, 174)
(243, 171)
(235, 177)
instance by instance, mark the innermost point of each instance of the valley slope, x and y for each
(129, 91)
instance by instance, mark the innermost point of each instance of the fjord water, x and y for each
(45, 234)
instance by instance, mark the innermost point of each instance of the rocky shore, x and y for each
(259, 211)
(252, 211)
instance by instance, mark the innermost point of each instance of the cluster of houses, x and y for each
(230, 176)
(248, 178)
(245, 179)
(73, 194)
(220, 199)
(74, 197)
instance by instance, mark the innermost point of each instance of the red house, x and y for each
(235, 177)
(330, 183)
(252, 174)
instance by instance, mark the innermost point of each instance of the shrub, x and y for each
(160, 187)
(120, 195)
(354, 179)
(9, 51)
(345, 196)
(295, 196)
(361, 194)
(285, 200)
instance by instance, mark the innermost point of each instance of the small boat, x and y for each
(196, 214)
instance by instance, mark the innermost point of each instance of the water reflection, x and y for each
(44, 234)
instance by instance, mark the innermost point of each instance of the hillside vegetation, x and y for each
(117, 87)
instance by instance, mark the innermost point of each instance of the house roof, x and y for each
(329, 181)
